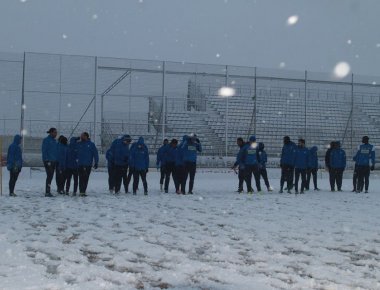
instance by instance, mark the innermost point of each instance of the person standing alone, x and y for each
(14, 163)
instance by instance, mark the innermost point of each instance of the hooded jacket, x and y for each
(62, 155)
(179, 161)
(248, 155)
(14, 156)
(169, 154)
(139, 156)
(160, 160)
(239, 162)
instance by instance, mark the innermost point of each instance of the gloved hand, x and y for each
(372, 167)
(197, 140)
(96, 166)
(147, 170)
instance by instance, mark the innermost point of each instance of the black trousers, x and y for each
(264, 175)
(170, 170)
(162, 174)
(336, 177)
(300, 172)
(60, 176)
(136, 178)
(72, 173)
(355, 177)
(287, 174)
(120, 175)
(190, 169)
(111, 177)
(129, 178)
(50, 169)
(249, 170)
(179, 178)
(241, 176)
(84, 175)
(311, 172)
(363, 177)
(13, 175)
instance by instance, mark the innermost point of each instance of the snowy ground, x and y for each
(215, 239)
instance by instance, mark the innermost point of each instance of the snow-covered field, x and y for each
(215, 239)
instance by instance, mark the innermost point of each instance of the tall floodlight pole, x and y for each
(163, 101)
(352, 111)
(22, 128)
(95, 92)
(305, 132)
(255, 102)
(226, 92)
(60, 94)
(227, 105)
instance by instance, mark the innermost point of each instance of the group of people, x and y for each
(177, 161)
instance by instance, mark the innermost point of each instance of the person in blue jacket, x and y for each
(288, 154)
(72, 165)
(190, 148)
(14, 163)
(61, 164)
(364, 156)
(87, 157)
(120, 159)
(140, 163)
(169, 155)
(180, 168)
(337, 166)
(160, 162)
(241, 170)
(249, 158)
(312, 168)
(49, 158)
(301, 162)
(111, 183)
(263, 159)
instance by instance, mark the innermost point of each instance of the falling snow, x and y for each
(292, 20)
(342, 69)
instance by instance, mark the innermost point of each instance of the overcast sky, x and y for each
(235, 32)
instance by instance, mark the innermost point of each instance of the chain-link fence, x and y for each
(159, 99)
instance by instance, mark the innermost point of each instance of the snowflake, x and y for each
(217, 55)
(69, 105)
(292, 20)
(95, 16)
(342, 69)
(64, 36)
(282, 64)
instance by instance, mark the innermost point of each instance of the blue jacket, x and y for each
(313, 158)
(14, 156)
(248, 155)
(120, 152)
(238, 159)
(72, 153)
(301, 160)
(87, 153)
(190, 150)
(338, 158)
(365, 154)
(179, 153)
(288, 154)
(169, 154)
(49, 149)
(160, 161)
(263, 158)
(62, 156)
(109, 158)
(140, 156)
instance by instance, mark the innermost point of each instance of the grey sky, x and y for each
(241, 32)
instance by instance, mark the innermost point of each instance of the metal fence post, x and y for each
(227, 105)
(352, 114)
(60, 94)
(305, 131)
(22, 129)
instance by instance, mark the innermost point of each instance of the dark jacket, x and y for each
(62, 156)
(338, 158)
(190, 150)
(49, 149)
(313, 158)
(288, 154)
(301, 160)
(140, 156)
(87, 153)
(160, 160)
(120, 152)
(14, 156)
(365, 155)
(72, 153)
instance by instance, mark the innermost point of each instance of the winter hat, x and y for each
(252, 138)
(286, 139)
(127, 138)
(261, 146)
(365, 139)
(51, 130)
